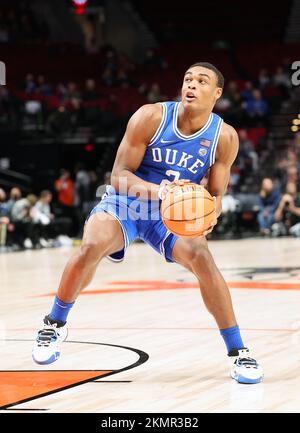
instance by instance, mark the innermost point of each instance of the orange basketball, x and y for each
(188, 210)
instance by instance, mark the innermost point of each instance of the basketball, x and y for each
(188, 210)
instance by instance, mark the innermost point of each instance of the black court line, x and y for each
(143, 357)
(24, 410)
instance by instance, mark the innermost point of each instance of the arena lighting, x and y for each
(89, 147)
(296, 122)
(295, 128)
(80, 6)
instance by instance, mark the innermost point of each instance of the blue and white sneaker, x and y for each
(245, 369)
(46, 347)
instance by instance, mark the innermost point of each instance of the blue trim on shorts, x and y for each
(168, 247)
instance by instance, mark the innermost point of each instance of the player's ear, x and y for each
(219, 92)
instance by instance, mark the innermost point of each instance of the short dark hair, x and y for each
(44, 193)
(220, 77)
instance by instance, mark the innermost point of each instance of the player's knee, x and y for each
(90, 253)
(200, 256)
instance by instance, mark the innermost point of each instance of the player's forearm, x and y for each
(218, 205)
(126, 182)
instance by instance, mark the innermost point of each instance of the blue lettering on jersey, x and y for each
(172, 155)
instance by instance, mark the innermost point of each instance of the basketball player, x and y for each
(164, 145)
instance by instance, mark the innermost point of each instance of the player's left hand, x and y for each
(214, 222)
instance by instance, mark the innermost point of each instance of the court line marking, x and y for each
(25, 409)
(160, 285)
(143, 357)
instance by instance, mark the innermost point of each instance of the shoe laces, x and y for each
(46, 336)
(247, 362)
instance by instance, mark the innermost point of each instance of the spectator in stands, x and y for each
(222, 104)
(91, 99)
(29, 84)
(90, 92)
(257, 109)
(41, 214)
(82, 184)
(231, 91)
(107, 178)
(154, 95)
(122, 78)
(125, 63)
(26, 233)
(292, 174)
(41, 211)
(235, 176)
(72, 91)
(59, 121)
(65, 187)
(4, 220)
(111, 59)
(228, 218)
(230, 105)
(263, 79)
(76, 110)
(108, 78)
(235, 113)
(14, 195)
(82, 191)
(94, 183)
(281, 78)
(246, 93)
(3, 204)
(269, 200)
(286, 167)
(92, 46)
(247, 157)
(153, 61)
(42, 87)
(50, 226)
(287, 215)
(61, 92)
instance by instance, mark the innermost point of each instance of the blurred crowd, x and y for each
(96, 104)
(250, 103)
(18, 23)
(102, 105)
(53, 217)
(279, 213)
(107, 100)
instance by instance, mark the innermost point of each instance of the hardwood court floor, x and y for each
(144, 308)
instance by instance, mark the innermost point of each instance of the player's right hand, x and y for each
(166, 186)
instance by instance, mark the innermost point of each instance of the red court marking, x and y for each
(158, 285)
(19, 386)
(232, 284)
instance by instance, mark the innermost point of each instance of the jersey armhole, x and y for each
(215, 143)
(161, 125)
